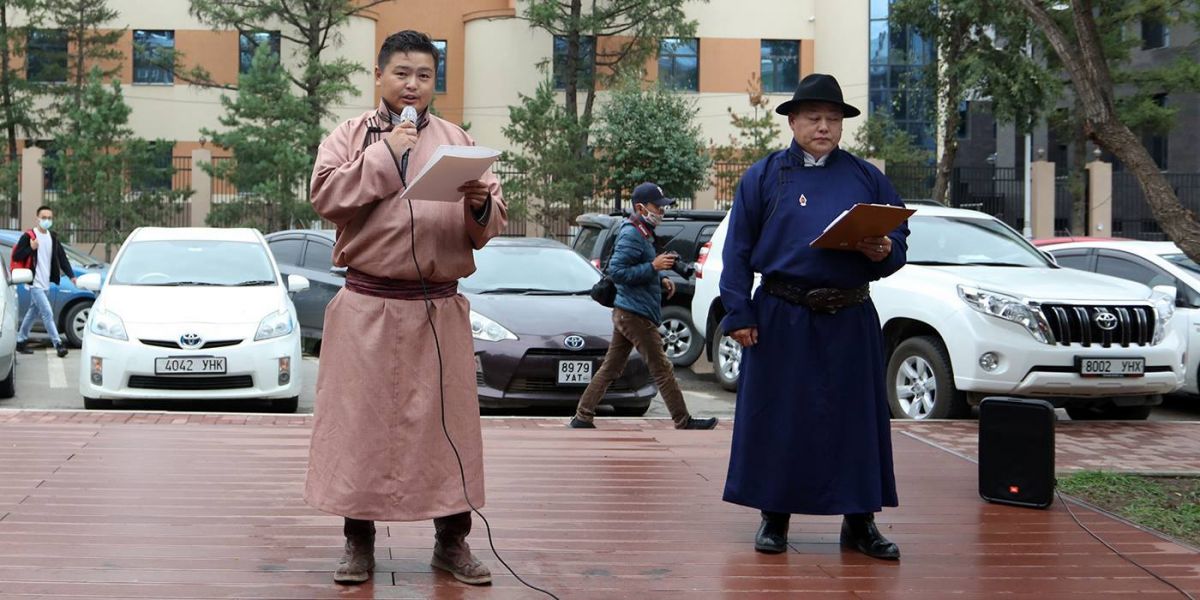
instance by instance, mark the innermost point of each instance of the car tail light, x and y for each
(701, 258)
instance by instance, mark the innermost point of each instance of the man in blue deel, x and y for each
(811, 429)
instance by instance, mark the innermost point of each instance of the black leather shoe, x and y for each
(694, 423)
(773, 533)
(859, 533)
(576, 423)
(23, 348)
(61, 349)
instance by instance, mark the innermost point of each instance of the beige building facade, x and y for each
(491, 56)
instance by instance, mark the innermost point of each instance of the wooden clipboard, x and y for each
(861, 221)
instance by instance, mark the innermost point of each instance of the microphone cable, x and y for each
(412, 221)
(1135, 563)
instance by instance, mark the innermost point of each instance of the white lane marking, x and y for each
(58, 372)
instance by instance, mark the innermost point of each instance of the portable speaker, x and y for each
(1016, 451)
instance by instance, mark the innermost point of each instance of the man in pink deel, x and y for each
(378, 449)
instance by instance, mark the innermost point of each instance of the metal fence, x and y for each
(559, 222)
(1062, 205)
(1132, 217)
(87, 228)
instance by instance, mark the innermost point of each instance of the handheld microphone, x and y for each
(409, 114)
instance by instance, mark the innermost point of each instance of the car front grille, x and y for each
(1131, 325)
(191, 382)
(567, 354)
(550, 384)
(174, 345)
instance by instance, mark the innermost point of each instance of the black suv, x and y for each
(682, 231)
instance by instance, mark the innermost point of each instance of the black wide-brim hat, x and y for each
(818, 87)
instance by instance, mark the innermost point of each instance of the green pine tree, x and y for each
(110, 181)
(651, 135)
(265, 127)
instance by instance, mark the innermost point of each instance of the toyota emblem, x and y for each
(573, 342)
(1105, 320)
(190, 340)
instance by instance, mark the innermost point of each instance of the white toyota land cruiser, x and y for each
(978, 311)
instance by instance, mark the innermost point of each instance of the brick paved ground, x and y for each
(170, 505)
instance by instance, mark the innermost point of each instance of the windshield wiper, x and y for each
(558, 292)
(938, 263)
(999, 264)
(515, 290)
(180, 283)
(253, 282)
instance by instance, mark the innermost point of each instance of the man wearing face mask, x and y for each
(46, 257)
(637, 312)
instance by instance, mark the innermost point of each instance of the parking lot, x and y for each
(46, 381)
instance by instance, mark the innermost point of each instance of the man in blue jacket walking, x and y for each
(637, 312)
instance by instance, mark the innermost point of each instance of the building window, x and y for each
(964, 120)
(679, 64)
(587, 61)
(898, 60)
(440, 82)
(47, 60)
(1155, 33)
(50, 176)
(153, 56)
(1156, 142)
(780, 66)
(248, 43)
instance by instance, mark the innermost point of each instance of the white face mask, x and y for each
(651, 218)
(45, 223)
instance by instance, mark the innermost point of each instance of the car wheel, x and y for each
(285, 405)
(921, 383)
(8, 385)
(631, 411)
(680, 339)
(75, 322)
(1109, 413)
(97, 404)
(727, 362)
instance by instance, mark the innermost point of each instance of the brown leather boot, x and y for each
(452, 554)
(359, 560)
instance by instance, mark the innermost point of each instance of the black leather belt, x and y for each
(825, 300)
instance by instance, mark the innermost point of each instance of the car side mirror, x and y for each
(338, 271)
(22, 276)
(89, 281)
(1050, 257)
(297, 283)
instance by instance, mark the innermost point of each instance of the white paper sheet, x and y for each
(447, 170)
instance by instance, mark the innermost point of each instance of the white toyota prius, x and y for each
(192, 313)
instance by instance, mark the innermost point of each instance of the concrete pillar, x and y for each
(1042, 198)
(1100, 194)
(33, 182)
(879, 164)
(201, 188)
(533, 223)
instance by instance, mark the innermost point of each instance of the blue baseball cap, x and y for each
(650, 193)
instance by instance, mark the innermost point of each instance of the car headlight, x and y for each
(1008, 308)
(108, 324)
(483, 328)
(1163, 298)
(276, 324)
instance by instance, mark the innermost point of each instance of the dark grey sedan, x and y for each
(309, 252)
(539, 337)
